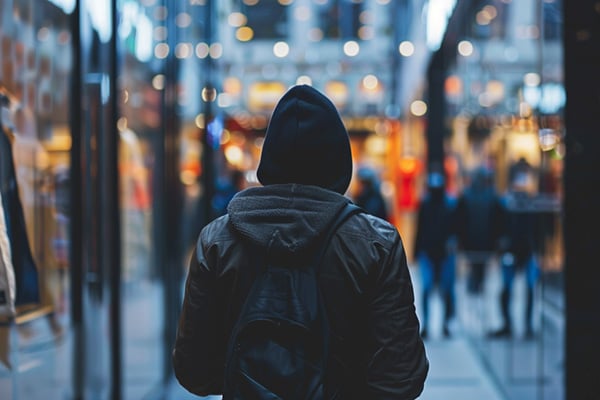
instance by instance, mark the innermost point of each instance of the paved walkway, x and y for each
(456, 370)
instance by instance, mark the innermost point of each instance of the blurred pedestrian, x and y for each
(368, 194)
(375, 350)
(478, 214)
(434, 249)
(517, 253)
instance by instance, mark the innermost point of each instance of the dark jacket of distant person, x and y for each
(305, 168)
(369, 197)
(478, 215)
(435, 221)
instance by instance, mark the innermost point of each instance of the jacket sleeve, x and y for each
(197, 362)
(397, 363)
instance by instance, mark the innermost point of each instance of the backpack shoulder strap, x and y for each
(345, 213)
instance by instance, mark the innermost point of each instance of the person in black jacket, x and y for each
(368, 196)
(434, 248)
(305, 169)
(518, 256)
(478, 216)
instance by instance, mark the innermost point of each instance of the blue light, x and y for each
(215, 130)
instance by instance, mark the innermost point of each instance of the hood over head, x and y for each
(286, 218)
(306, 143)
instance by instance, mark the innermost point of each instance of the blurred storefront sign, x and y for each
(409, 169)
(263, 96)
(338, 92)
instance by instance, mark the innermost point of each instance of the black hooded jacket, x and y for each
(364, 277)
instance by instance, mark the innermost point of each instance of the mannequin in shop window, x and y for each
(25, 269)
(7, 274)
(28, 293)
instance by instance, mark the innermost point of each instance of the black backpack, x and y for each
(279, 347)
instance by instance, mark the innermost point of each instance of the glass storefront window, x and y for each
(181, 155)
(141, 284)
(35, 142)
(140, 129)
(508, 121)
